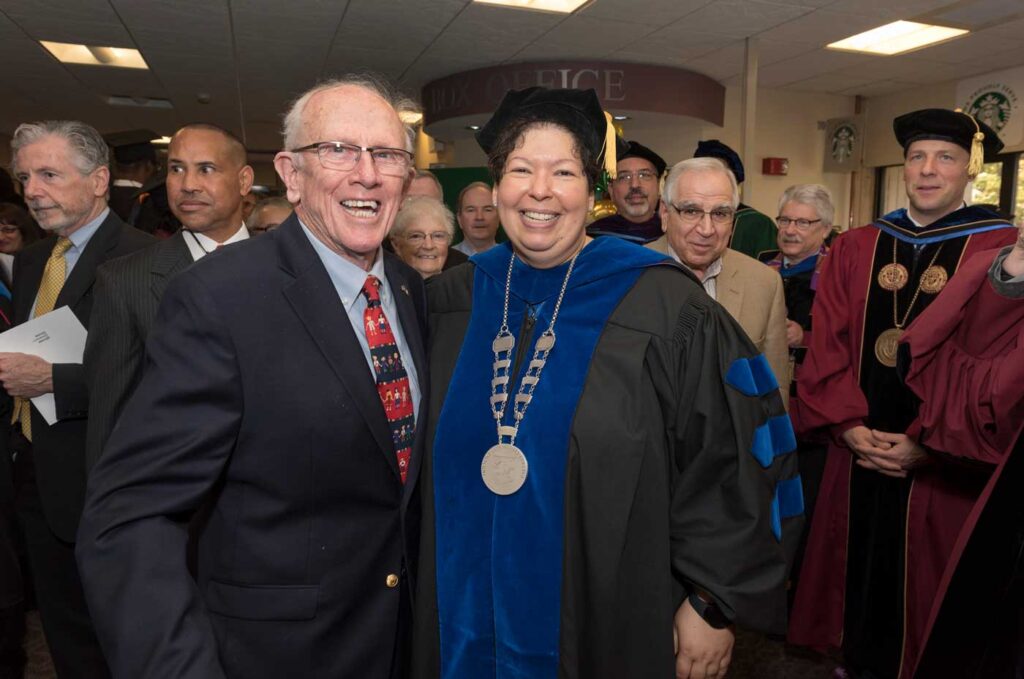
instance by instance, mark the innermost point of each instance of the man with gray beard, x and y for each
(635, 192)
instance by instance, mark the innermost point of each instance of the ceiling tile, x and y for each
(819, 28)
(580, 36)
(891, 10)
(403, 23)
(496, 32)
(654, 12)
(806, 66)
(90, 22)
(740, 19)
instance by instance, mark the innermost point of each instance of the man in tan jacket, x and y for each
(697, 213)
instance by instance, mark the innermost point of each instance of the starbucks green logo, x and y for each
(842, 143)
(991, 108)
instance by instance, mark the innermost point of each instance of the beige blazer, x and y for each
(752, 294)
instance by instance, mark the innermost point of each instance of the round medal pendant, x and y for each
(933, 280)
(504, 469)
(893, 276)
(886, 345)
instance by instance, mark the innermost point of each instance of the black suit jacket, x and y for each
(128, 292)
(59, 450)
(256, 399)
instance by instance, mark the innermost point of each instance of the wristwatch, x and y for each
(707, 609)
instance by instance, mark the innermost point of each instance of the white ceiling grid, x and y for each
(252, 56)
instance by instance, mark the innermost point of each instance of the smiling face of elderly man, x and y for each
(349, 209)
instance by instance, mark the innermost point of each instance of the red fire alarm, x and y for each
(775, 166)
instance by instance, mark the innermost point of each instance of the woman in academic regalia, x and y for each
(608, 483)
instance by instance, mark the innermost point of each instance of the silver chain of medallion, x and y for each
(503, 345)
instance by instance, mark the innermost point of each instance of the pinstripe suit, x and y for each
(128, 292)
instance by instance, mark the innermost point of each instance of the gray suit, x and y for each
(128, 292)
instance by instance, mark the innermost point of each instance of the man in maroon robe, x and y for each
(967, 366)
(888, 511)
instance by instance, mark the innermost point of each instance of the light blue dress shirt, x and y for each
(348, 281)
(79, 240)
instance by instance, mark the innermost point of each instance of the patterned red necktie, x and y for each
(392, 380)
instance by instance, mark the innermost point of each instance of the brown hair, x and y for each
(15, 215)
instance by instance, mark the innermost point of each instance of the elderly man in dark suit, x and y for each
(282, 391)
(207, 175)
(63, 168)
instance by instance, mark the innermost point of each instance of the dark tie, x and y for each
(392, 380)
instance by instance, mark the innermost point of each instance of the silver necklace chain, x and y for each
(503, 345)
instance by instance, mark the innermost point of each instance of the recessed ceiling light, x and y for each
(897, 37)
(472, 128)
(411, 117)
(559, 6)
(162, 141)
(120, 57)
(620, 118)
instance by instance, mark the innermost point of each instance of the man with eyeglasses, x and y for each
(889, 508)
(753, 231)
(281, 399)
(697, 215)
(635, 191)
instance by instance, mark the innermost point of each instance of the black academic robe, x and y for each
(662, 485)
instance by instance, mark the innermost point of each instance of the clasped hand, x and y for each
(884, 452)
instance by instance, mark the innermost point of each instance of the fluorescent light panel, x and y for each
(897, 37)
(559, 6)
(120, 57)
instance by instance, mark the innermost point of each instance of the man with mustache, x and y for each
(634, 190)
(207, 177)
(63, 167)
(889, 508)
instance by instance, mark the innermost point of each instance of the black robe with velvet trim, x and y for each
(665, 484)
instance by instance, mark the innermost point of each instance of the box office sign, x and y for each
(619, 86)
(844, 144)
(995, 99)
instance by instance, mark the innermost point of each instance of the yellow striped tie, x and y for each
(53, 280)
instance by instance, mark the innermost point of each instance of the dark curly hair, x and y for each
(512, 136)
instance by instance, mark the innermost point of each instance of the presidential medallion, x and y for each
(893, 276)
(933, 280)
(886, 345)
(504, 469)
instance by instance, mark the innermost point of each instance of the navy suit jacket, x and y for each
(58, 450)
(257, 404)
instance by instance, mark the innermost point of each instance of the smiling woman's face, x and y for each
(543, 197)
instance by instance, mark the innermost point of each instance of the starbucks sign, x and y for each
(995, 100)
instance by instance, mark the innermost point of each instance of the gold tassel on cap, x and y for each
(977, 148)
(609, 145)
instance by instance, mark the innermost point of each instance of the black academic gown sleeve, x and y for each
(662, 490)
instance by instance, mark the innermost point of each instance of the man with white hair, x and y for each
(697, 213)
(63, 167)
(307, 466)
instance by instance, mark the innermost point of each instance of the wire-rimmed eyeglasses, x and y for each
(337, 155)
(691, 214)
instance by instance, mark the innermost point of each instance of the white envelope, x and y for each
(57, 337)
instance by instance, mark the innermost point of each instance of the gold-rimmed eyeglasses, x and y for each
(337, 155)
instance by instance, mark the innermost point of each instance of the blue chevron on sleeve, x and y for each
(752, 376)
(787, 502)
(772, 439)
